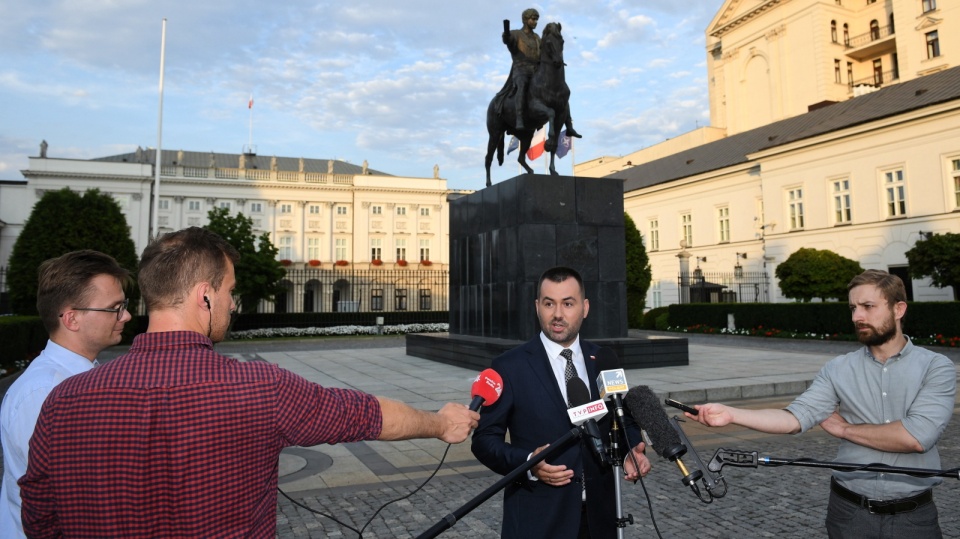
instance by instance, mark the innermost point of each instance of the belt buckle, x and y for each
(869, 506)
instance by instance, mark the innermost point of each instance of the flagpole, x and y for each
(250, 142)
(154, 231)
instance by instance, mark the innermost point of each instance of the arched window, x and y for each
(846, 34)
(874, 30)
(833, 31)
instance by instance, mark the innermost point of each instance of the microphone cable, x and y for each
(377, 512)
(636, 465)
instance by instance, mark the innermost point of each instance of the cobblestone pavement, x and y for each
(352, 481)
(783, 502)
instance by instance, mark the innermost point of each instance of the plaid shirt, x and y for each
(175, 440)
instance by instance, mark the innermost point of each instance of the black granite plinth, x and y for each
(478, 352)
(503, 237)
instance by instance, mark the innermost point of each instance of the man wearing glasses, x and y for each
(83, 308)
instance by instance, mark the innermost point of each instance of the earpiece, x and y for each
(207, 301)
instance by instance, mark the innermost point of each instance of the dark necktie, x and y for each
(569, 372)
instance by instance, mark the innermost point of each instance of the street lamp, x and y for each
(697, 272)
(737, 268)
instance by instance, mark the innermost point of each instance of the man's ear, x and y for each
(201, 295)
(68, 321)
(586, 307)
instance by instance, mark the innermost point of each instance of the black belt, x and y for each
(882, 507)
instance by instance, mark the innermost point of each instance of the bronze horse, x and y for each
(548, 98)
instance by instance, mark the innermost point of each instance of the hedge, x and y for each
(922, 319)
(23, 338)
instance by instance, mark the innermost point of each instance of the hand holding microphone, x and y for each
(457, 420)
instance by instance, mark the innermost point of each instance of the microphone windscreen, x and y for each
(488, 385)
(577, 392)
(607, 359)
(643, 405)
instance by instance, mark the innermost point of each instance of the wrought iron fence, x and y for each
(336, 290)
(324, 291)
(723, 287)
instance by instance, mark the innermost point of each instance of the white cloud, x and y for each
(402, 85)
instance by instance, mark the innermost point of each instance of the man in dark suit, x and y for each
(572, 496)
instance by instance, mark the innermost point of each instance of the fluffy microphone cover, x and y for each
(643, 405)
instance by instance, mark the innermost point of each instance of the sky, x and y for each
(401, 85)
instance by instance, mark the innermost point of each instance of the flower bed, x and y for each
(401, 263)
(342, 263)
(400, 329)
(314, 263)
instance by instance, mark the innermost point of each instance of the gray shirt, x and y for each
(916, 386)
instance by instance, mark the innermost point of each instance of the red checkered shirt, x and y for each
(175, 440)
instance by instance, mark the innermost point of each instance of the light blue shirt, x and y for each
(18, 417)
(916, 387)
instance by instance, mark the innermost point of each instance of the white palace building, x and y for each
(835, 126)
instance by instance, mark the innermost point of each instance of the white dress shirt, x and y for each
(18, 417)
(559, 364)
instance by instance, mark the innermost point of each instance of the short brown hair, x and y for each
(65, 282)
(890, 285)
(558, 275)
(527, 13)
(175, 262)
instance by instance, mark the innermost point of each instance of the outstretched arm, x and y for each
(452, 423)
(774, 421)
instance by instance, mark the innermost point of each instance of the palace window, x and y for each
(795, 208)
(654, 238)
(956, 181)
(723, 223)
(424, 250)
(686, 229)
(313, 248)
(841, 202)
(376, 249)
(896, 190)
(285, 251)
(933, 44)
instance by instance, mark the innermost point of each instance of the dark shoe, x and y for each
(571, 132)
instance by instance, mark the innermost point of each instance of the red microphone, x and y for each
(486, 389)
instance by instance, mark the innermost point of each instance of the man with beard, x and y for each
(572, 495)
(175, 440)
(888, 403)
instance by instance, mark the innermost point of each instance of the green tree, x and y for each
(258, 273)
(937, 257)
(64, 221)
(638, 272)
(812, 273)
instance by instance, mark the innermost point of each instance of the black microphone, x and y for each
(579, 396)
(644, 406)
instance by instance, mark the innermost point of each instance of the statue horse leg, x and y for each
(525, 136)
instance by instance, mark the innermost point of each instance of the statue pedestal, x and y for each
(502, 238)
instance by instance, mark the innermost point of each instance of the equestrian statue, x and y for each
(534, 94)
